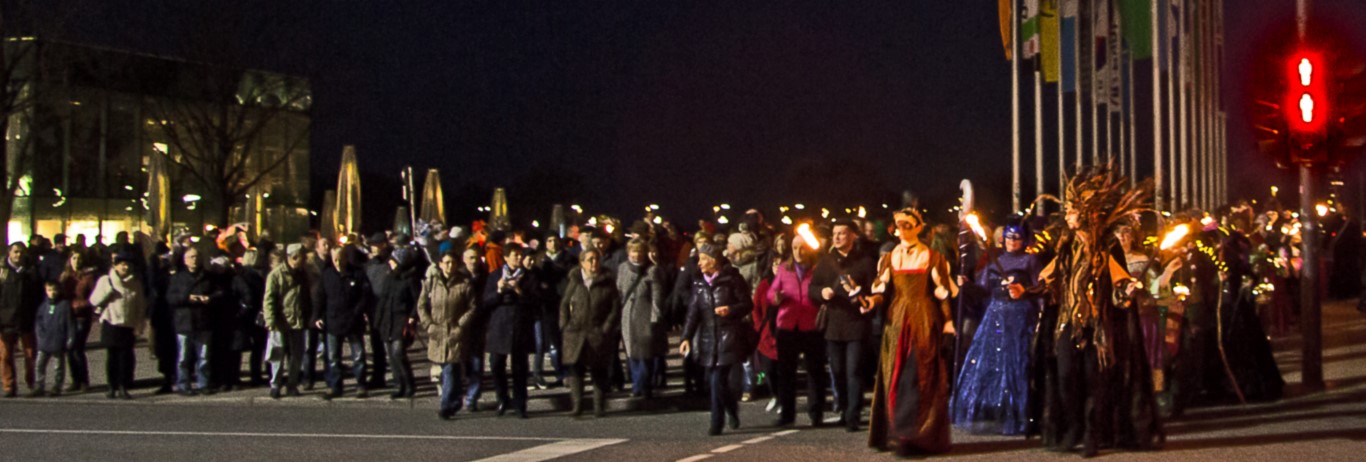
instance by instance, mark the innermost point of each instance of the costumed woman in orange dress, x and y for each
(910, 412)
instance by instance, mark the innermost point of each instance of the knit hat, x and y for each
(710, 250)
(294, 250)
(741, 240)
(403, 256)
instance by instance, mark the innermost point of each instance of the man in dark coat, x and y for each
(848, 267)
(511, 300)
(396, 316)
(162, 321)
(590, 316)
(552, 269)
(341, 309)
(194, 296)
(21, 291)
(376, 269)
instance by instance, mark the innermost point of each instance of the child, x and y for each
(55, 330)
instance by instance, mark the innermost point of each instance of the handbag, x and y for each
(823, 317)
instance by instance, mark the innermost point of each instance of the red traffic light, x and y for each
(1306, 104)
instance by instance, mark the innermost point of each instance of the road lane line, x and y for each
(695, 458)
(553, 450)
(728, 448)
(278, 435)
(785, 432)
(757, 440)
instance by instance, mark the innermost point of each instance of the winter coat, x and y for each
(195, 318)
(287, 304)
(844, 320)
(397, 304)
(21, 290)
(797, 312)
(342, 301)
(510, 316)
(375, 271)
(120, 301)
(719, 340)
(449, 308)
(643, 326)
(76, 287)
(55, 328)
(50, 265)
(249, 288)
(589, 319)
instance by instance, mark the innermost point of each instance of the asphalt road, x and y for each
(246, 425)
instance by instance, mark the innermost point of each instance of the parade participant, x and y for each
(286, 309)
(1099, 389)
(846, 268)
(643, 329)
(993, 386)
(510, 298)
(448, 306)
(552, 268)
(911, 392)
(717, 308)
(590, 317)
(798, 335)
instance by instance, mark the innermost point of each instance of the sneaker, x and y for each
(772, 404)
(747, 397)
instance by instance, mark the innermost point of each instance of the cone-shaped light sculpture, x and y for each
(159, 197)
(346, 215)
(433, 200)
(328, 224)
(498, 212)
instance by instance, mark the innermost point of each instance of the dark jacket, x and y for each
(50, 265)
(249, 289)
(55, 328)
(844, 321)
(590, 319)
(342, 300)
(717, 340)
(21, 290)
(193, 318)
(510, 315)
(397, 304)
(375, 271)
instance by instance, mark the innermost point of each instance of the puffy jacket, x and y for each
(590, 319)
(192, 318)
(796, 312)
(21, 291)
(120, 301)
(448, 309)
(287, 303)
(719, 340)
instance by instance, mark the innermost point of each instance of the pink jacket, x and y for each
(796, 311)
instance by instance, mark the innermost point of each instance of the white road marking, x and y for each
(725, 449)
(281, 435)
(553, 450)
(757, 440)
(695, 458)
(785, 432)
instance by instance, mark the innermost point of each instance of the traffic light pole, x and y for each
(1311, 371)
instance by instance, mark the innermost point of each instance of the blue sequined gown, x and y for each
(993, 385)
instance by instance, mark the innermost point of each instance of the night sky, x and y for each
(684, 104)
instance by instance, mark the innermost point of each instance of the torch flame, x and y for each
(1174, 236)
(805, 232)
(976, 225)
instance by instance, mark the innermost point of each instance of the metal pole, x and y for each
(1157, 104)
(1015, 105)
(1095, 95)
(1038, 135)
(1077, 92)
(1312, 368)
(1183, 99)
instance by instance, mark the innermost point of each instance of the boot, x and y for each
(575, 396)
(599, 401)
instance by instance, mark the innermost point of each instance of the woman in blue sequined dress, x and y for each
(993, 386)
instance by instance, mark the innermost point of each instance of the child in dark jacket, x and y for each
(55, 331)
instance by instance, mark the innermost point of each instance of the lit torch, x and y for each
(1174, 236)
(976, 225)
(805, 232)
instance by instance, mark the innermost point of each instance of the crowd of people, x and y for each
(1083, 330)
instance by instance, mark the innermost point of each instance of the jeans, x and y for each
(78, 363)
(808, 347)
(194, 359)
(722, 400)
(451, 387)
(499, 365)
(547, 343)
(379, 361)
(294, 345)
(334, 360)
(59, 371)
(474, 370)
(314, 340)
(642, 375)
(12, 344)
(398, 360)
(845, 359)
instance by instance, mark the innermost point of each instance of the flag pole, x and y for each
(1076, 88)
(1015, 105)
(1157, 104)
(1184, 100)
(1038, 132)
(1095, 97)
(1132, 131)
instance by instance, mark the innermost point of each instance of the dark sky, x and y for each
(685, 104)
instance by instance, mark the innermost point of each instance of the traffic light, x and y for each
(1306, 105)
